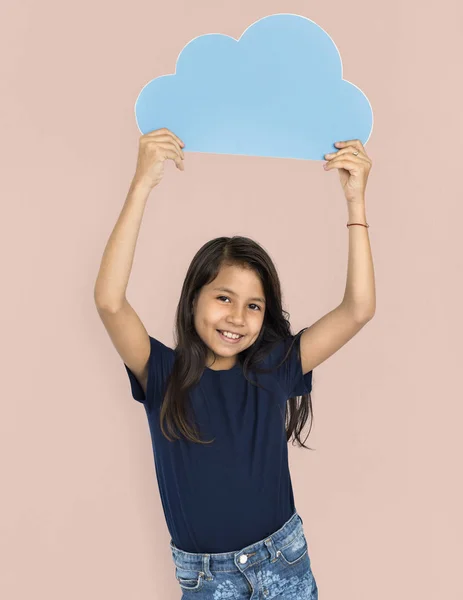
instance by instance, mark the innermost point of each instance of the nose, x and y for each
(236, 318)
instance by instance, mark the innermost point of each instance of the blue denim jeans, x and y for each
(276, 567)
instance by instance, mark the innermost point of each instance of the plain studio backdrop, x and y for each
(381, 495)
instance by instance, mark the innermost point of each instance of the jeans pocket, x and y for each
(189, 579)
(295, 551)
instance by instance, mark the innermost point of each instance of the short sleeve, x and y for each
(160, 363)
(290, 376)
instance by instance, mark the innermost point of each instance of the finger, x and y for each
(168, 142)
(350, 158)
(156, 137)
(176, 144)
(347, 150)
(168, 152)
(169, 132)
(356, 143)
(165, 131)
(338, 164)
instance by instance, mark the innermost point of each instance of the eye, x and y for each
(258, 307)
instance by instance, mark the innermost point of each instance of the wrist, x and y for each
(357, 213)
(140, 186)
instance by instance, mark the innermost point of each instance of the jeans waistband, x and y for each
(248, 556)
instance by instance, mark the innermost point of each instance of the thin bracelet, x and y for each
(349, 224)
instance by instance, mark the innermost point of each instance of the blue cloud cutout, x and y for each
(278, 91)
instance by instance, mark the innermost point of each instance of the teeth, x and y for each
(230, 335)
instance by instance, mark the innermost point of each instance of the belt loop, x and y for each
(206, 561)
(271, 548)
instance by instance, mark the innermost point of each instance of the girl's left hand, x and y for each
(353, 169)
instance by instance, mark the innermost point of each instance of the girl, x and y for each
(223, 404)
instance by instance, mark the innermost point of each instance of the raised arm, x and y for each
(122, 323)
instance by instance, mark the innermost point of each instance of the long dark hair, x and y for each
(191, 352)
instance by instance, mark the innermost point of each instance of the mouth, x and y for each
(229, 340)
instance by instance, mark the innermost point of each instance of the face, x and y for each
(239, 312)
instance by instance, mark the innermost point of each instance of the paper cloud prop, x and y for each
(278, 91)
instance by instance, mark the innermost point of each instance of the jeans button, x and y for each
(243, 559)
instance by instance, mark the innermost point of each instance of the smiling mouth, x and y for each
(229, 340)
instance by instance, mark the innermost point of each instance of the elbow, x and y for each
(107, 305)
(360, 314)
(366, 316)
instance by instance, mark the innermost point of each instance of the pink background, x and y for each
(381, 496)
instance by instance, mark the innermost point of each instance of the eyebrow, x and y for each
(224, 289)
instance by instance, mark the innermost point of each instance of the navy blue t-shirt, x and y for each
(237, 490)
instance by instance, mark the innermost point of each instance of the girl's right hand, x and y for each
(155, 147)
